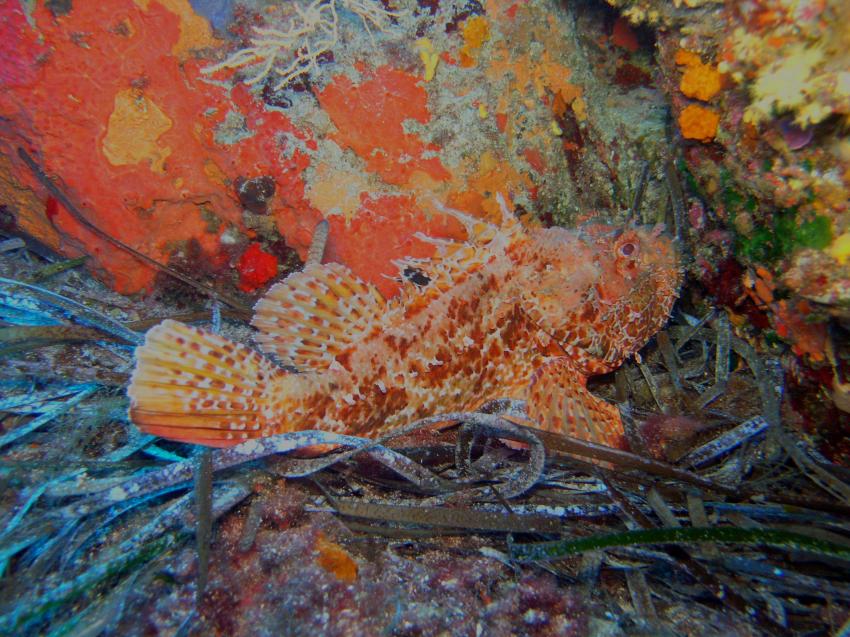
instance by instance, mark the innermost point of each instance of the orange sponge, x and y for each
(335, 559)
(698, 122)
(699, 81)
(684, 57)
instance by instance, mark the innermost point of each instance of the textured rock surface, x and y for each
(305, 573)
(124, 105)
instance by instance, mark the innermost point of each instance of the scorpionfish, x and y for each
(509, 312)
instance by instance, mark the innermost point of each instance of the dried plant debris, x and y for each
(721, 521)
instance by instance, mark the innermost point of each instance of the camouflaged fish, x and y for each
(511, 312)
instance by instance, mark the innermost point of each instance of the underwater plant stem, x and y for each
(620, 458)
(203, 531)
(677, 198)
(639, 190)
(317, 246)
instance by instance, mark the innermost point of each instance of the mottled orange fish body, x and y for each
(509, 313)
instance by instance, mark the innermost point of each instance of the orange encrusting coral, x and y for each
(698, 122)
(683, 57)
(699, 81)
(488, 176)
(78, 109)
(370, 117)
(529, 61)
(476, 31)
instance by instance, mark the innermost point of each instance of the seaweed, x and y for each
(779, 538)
(442, 517)
(40, 302)
(49, 412)
(747, 431)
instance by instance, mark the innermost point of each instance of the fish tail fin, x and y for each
(193, 386)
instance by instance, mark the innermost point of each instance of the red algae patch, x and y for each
(624, 36)
(256, 268)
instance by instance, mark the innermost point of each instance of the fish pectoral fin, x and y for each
(194, 386)
(559, 401)
(314, 315)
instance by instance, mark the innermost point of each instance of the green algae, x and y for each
(779, 538)
(774, 235)
(781, 234)
(815, 233)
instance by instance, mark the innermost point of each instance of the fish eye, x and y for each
(628, 249)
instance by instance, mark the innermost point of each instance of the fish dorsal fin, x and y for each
(479, 231)
(452, 263)
(314, 315)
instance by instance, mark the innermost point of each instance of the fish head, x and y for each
(636, 263)
(603, 290)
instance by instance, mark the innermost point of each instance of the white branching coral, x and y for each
(793, 60)
(298, 47)
(786, 84)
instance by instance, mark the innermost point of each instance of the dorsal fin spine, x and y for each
(477, 230)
